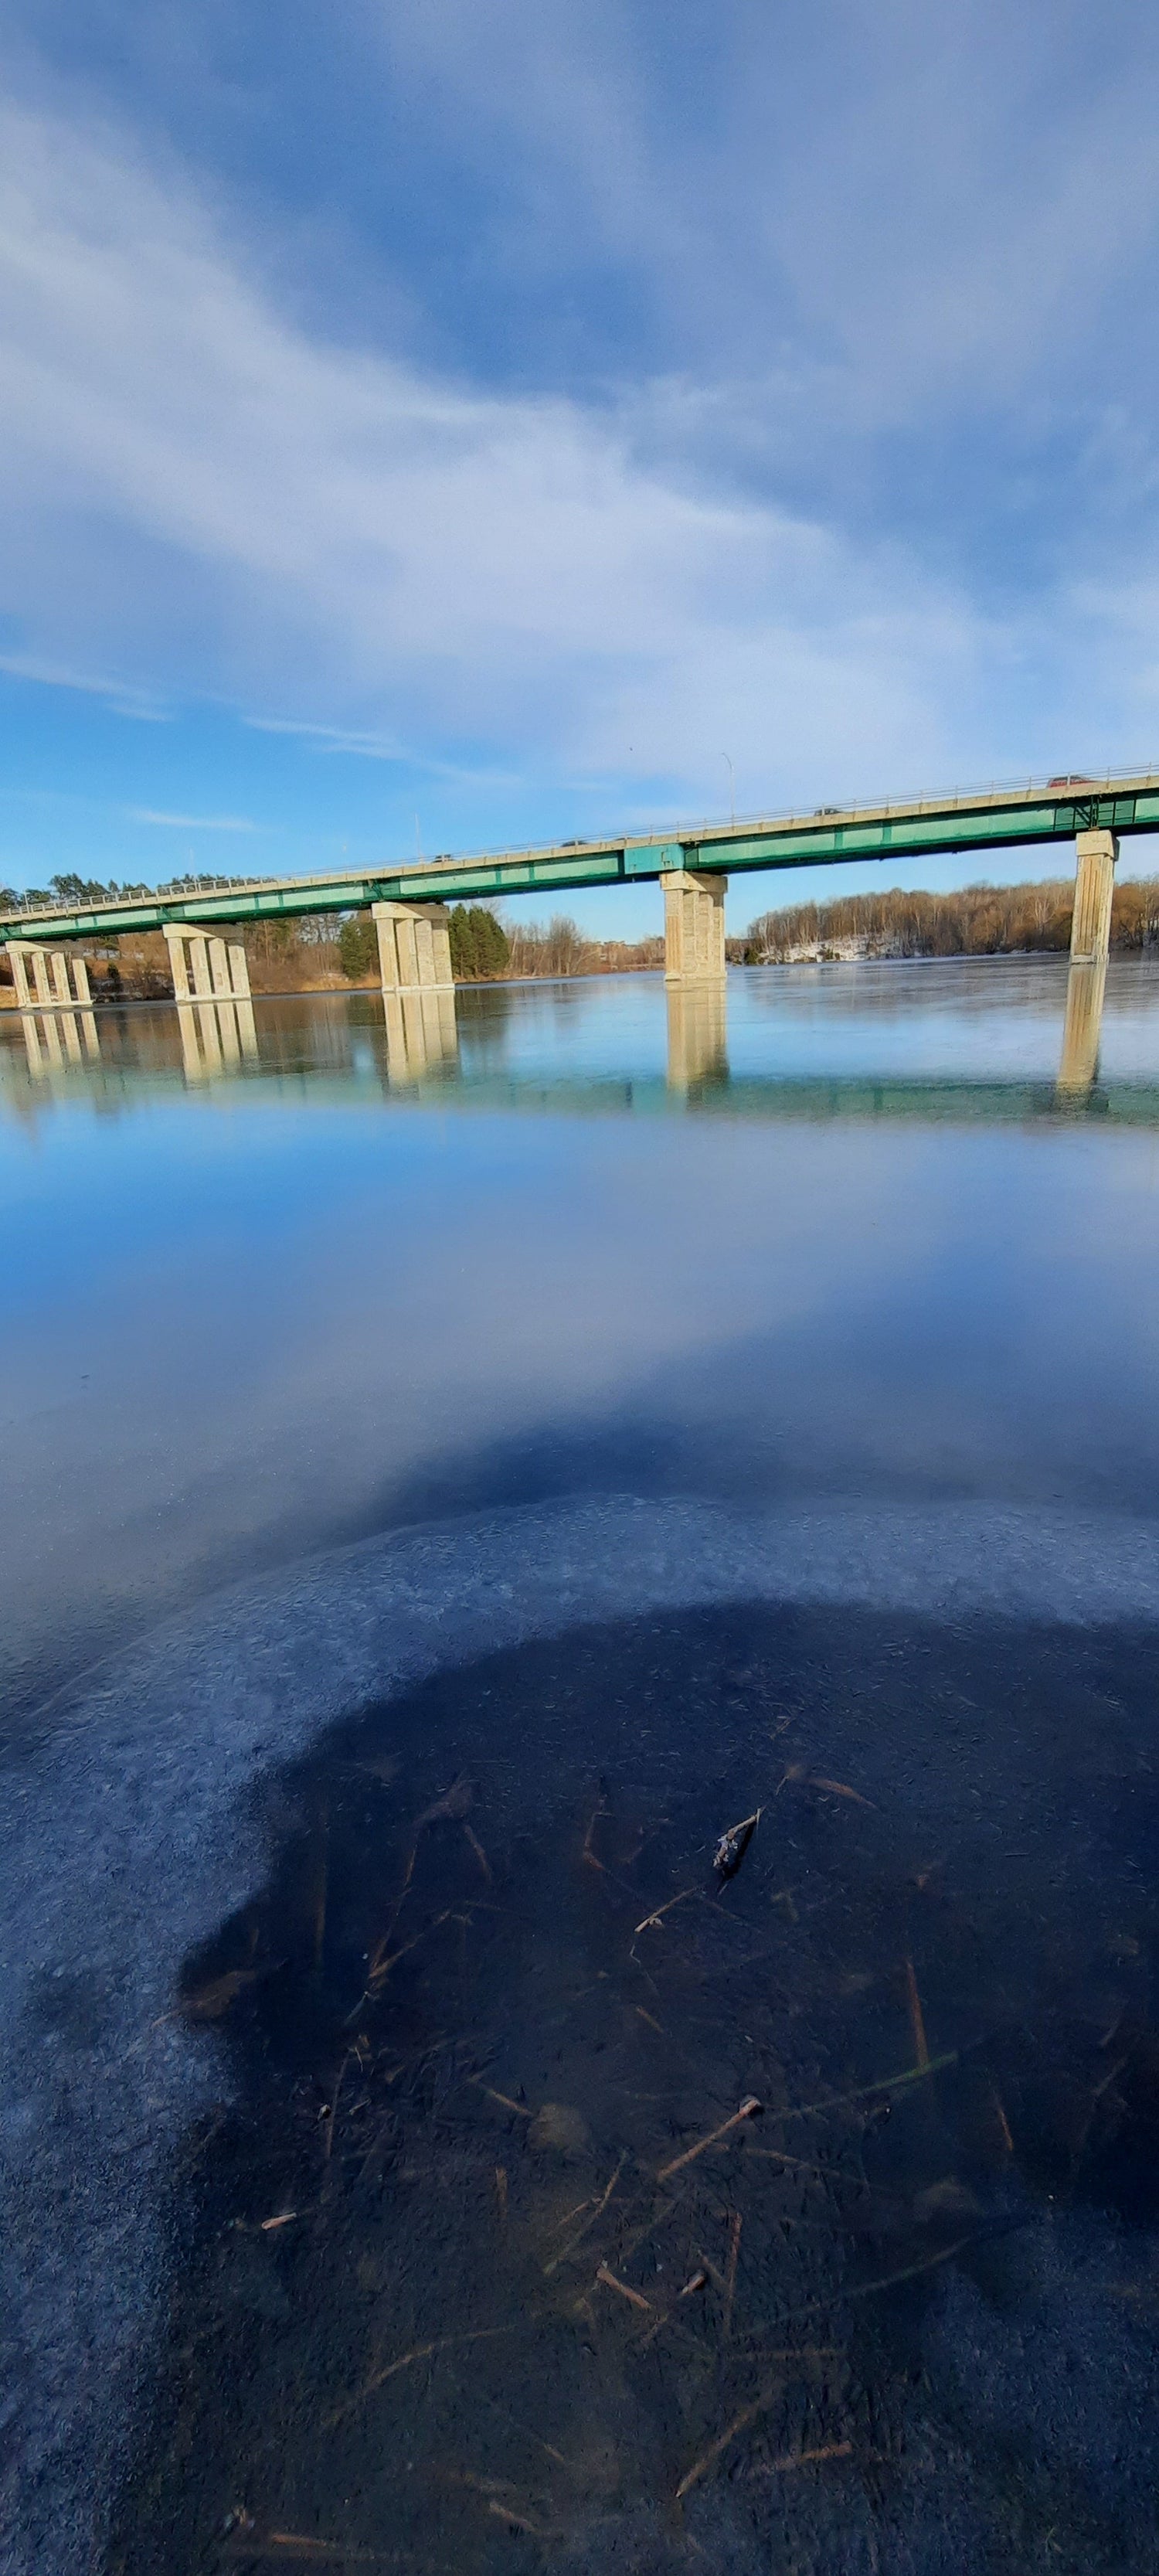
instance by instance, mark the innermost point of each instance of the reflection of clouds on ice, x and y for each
(270, 1363)
(132, 1834)
(847, 1303)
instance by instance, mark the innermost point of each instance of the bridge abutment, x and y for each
(693, 925)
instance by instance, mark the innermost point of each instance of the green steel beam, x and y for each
(999, 818)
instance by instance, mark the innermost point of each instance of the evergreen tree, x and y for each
(479, 943)
(358, 945)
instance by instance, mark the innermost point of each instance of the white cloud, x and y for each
(54, 675)
(196, 491)
(201, 498)
(899, 209)
(192, 822)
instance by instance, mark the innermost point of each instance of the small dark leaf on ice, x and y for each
(733, 1845)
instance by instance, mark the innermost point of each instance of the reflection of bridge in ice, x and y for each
(216, 1037)
(471, 1050)
(55, 1039)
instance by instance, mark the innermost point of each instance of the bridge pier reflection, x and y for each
(418, 988)
(697, 1034)
(421, 1033)
(1090, 941)
(1086, 984)
(216, 1037)
(55, 1039)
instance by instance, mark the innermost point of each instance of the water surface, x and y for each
(838, 1275)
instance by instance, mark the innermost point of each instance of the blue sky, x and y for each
(444, 426)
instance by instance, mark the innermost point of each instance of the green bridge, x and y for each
(1031, 817)
(211, 984)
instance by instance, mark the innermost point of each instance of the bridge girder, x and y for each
(917, 828)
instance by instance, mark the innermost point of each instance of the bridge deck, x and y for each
(991, 818)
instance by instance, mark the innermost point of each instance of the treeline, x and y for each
(974, 921)
(78, 890)
(484, 948)
(558, 947)
(479, 945)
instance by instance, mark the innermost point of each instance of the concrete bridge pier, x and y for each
(60, 980)
(206, 969)
(693, 925)
(1094, 887)
(418, 988)
(414, 947)
(1090, 941)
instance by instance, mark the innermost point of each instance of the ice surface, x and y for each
(136, 1828)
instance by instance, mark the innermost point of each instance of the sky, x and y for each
(445, 427)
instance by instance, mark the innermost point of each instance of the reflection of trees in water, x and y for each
(880, 988)
(483, 1012)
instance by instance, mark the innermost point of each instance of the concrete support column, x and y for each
(1094, 886)
(211, 987)
(414, 947)
(227, 967)
(175, 943)
(194, 972)
(693, 925)
(61, 980)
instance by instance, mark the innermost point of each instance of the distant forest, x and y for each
(975, 921)
(483, 947)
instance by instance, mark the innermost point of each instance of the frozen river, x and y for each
(436, 1504)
